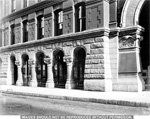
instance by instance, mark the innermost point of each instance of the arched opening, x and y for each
(41, 69)
(26, 70)
(144, 21)
(78, 67)
(59, 69)
(14, 70)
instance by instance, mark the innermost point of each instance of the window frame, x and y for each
(40, 27)
(80, 17)
(58, 21)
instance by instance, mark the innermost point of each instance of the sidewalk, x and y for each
(136, 99)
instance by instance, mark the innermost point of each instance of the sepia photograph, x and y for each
(74, 59)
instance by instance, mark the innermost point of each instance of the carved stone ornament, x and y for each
(68, 59)
(17, 63)
(127, 42)
(47, 60)
(31, 62)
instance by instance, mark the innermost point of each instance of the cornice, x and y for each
(31, 9)
(63, 38)
(132, 30)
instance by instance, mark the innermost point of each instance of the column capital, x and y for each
(47, 60)
(31, 62)
(17, 63)
(68, 59)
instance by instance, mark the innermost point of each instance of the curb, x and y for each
(93, 100)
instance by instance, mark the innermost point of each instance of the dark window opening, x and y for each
(41, 70)
(80, 17)
(59, 70)
(25, 31)
(14, 70)
(26, 70)
(79, 67)
(40, 27)
(58, 22)
(12, 34)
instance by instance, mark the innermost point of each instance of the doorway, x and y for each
(41, 69)
(14, 70)
(144, 21)
(79, 67)
(59, 69)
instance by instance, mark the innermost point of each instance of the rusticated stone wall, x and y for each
(6, 37)
(18, 34)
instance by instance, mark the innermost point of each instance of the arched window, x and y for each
(40, 27)
(78, 67)
(41, 69)
(26, 72)
(14, 70)
(59, 69)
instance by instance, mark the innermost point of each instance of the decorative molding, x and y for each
(47, 15)
(68, 9)
(47, 60)
(31, 62)
(68, 59)
(59, 39)
(31, 9)
(127, 42)
(17, 63)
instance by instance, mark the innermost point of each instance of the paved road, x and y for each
(21, 105)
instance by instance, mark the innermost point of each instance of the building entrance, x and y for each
(144, 21)
(78, 67)
(59, 69)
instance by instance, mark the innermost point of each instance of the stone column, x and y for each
(70, 84)
(33, 82)
(20, 79)
(50, 79)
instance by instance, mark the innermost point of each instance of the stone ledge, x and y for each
(94, 100)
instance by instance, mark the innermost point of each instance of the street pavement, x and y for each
(26, 105)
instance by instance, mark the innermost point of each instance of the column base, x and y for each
(129, 82)
(19, 83)
(50, 84)
(33, 84)
(70, 85)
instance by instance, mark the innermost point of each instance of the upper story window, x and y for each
(58, 22)
(25, 31)
(80, 17)
(40, 27)
(13, 5)
(25, 3)
(12, 34)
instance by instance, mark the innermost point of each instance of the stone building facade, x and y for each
(97, 45)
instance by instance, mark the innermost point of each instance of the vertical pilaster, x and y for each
(33, 82)
(20, 79)
(50, 79)
(53, 23)
(70, 84)
(35, 28)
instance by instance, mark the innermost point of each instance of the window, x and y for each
(25, 3)
(12, 34)
(40, 27)
(58, 22)
(80, 17)
(25, 31)
(13, 5)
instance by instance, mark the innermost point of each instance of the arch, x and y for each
(144, 21)
(59, 69)
(130, 13)
(41, 69)
(79, 67)
(13, 69)
(26, 70)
